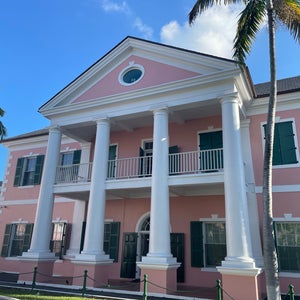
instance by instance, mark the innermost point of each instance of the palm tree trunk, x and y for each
(270, 256)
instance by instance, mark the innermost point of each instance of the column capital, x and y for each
(232, 97)
(158, 109)
(102, 120)
(54, 128)
(245, 123)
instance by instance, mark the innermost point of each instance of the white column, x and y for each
(79, 206)
(251, 195)
(42, 229)
(159, 244)
(238, 239)
(94, 233)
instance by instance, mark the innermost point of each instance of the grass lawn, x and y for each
(23, 294)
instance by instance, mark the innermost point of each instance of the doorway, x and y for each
(136, 245)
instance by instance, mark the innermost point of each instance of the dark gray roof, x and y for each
(287, 85)
(32, 134)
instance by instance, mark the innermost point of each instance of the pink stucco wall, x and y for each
(185, 136)
(155, 74)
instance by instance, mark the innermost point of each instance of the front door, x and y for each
(211, 160)
(112, 154)
(128, 264)
(129, 256)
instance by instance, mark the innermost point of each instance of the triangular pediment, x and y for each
(160, 66)
(154, 74)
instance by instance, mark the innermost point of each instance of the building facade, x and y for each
(152, 164)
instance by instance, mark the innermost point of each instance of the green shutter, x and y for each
(287, 142)
(284, 150)
(27, 237)
(177, 250)
(173, 160)
(82, 235)
(6, 240)
(114, 241)
(51, 245)
(19, 171)
(196, 231)
(141, 161)
(76, 157)
(211, 140)
(111, 167)
(38, 169)
(111, 240)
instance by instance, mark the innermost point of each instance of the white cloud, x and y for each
(212, 33)
(110, 6)
(146, 31)
(122, 7)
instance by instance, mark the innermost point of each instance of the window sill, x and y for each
(209, 269)
(290, 274)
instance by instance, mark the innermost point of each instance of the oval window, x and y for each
(132, 75)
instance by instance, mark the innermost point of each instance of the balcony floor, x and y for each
(179, 185)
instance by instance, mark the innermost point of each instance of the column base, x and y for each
(38, 255)
(72, 252)
(240, 280)
(97, 275)
(93, 258)
(238, 263)
(44, 271)
(161, 271)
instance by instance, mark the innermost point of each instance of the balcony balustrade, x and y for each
(192, 162)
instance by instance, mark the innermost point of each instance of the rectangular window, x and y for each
(16, 239)
(215, 243)
(288, 246)
(208, 243)
(68, 166)
(59, 238)
(29, 170)
(284, 149)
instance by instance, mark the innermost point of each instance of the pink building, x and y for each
(152, 164)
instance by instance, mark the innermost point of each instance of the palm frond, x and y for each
(288, 13)
(2, 112)
(3, 131)
(201, 5)
(251, 18)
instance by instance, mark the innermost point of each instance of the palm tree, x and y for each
(2, 127)
(286, 12)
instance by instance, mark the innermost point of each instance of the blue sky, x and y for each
(46, 44)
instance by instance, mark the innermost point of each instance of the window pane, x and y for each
(288, 246)
(67, 158)
(18, 239)
(215, 243)
(28, 176)
(58, 231)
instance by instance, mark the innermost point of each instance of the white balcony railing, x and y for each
(74, 173)
(134, 167)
